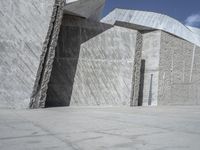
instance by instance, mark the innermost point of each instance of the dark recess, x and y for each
(142, 72)
(65, 63)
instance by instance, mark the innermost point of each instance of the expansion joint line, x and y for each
(39, 93)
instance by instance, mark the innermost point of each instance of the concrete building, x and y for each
(129, 58)
(27, 31)
(170, 54)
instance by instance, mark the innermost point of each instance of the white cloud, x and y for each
(193, 20)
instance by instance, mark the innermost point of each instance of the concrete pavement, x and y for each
(98, 128)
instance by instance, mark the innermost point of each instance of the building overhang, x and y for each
(143, 20)
(90, 9)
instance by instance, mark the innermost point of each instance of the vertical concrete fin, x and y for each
(136, 72)
(46, 60)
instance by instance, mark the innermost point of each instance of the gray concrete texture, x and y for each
(91, 63)
(179, 72)
(39, 94)
(151, 58)
(94, 64)
(40, 90)
(23, 28)
(24, 25)
(174, 65)
(116, 128)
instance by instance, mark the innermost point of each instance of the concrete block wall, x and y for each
(23, 28)
(94, 66)
(179, 76)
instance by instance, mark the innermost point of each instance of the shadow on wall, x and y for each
(142, 73)
(74, 31)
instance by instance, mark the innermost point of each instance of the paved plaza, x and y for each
(101, 128)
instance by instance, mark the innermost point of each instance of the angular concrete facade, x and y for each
(25, 28)
(170, 57)
(121, 61)
(94, 64)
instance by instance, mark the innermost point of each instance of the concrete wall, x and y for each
(94, 64)
(105, 69)
(23, 27)
(150, 56)
(172, 70)
(74, 32)
(179, 77)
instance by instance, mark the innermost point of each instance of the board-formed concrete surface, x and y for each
(111, 128)
(105, 68)
(94, 64)
(23, 28)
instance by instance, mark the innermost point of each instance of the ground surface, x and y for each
(161, 128)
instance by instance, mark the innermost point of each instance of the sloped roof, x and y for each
(150, 20)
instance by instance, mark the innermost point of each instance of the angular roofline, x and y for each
(153, 20)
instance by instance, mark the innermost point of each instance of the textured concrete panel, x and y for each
(107, 69)
(23, 28)
(179, 72)
(151, 56)
(94, 67)
(39, 94)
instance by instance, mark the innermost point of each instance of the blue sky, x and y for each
(186, 11)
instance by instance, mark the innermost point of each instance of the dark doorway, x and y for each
(142, 72)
